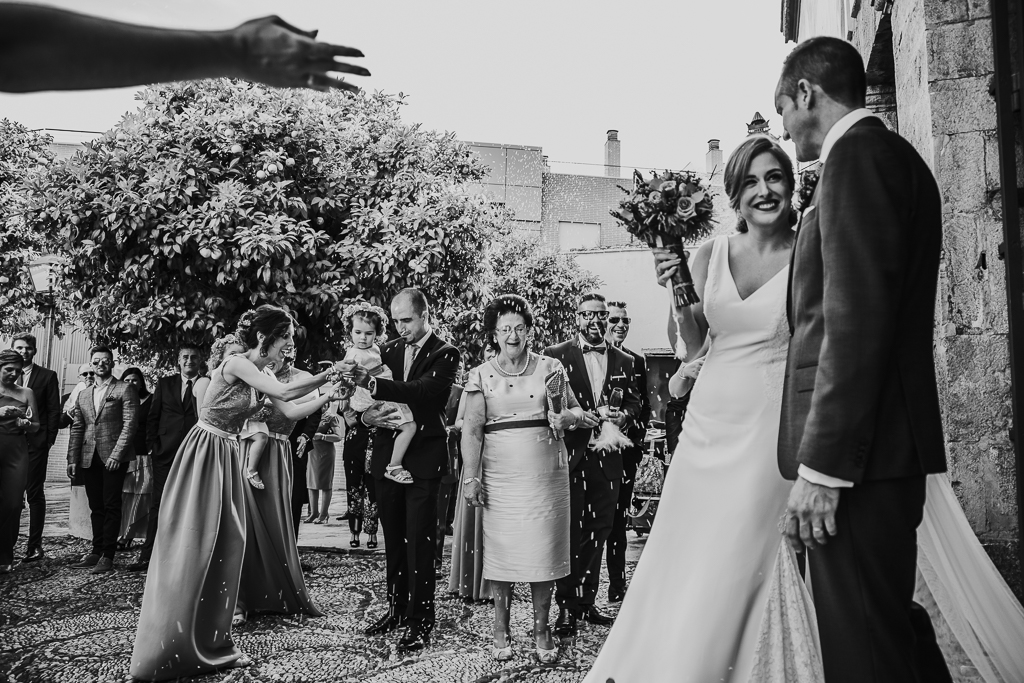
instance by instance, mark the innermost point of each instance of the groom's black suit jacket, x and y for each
(860, 401)
(619, 375)
(170, 418)
(426, 392)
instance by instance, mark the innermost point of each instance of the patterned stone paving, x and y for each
(60, 624)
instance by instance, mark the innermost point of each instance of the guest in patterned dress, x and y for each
(137, 493)
(517, 471)
(185, 625)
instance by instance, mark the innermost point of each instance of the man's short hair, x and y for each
(26, 337)
(101, 349)
(591, 296)
(190, 347)
(616, 304)
(832, 64)
(417, 298)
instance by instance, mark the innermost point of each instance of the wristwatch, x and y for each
(469, 480)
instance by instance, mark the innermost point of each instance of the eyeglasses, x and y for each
(590, 315)
(102, 361)
(616, 321)
(88, 374)
(507, 331)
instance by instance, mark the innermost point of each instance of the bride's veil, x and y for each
(970, 594)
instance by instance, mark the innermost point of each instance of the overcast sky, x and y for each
(668, 74)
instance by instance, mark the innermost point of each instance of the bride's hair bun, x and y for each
(244, 325)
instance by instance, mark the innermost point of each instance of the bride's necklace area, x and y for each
(497, 362)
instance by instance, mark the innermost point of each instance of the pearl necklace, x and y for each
(505, 372)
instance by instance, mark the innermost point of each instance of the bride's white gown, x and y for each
(696, 600)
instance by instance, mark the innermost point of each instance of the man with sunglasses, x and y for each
(102, 443)
(595, 370)
(615, 558)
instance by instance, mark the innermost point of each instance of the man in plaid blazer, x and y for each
(101, 445)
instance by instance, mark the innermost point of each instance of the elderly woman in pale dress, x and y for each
(516, 471)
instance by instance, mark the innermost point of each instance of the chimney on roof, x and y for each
(612, 154)
(713, 159)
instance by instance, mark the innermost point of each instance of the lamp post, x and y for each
(41, 272)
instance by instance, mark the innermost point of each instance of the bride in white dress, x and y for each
(716, 595)
(695, 603)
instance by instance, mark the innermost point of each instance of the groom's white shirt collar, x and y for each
(839, 129)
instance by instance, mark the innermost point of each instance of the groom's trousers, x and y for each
(863, 581)
(592, 500)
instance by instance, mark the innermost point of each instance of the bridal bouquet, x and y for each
(667, 211)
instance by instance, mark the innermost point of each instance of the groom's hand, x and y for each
(810, 514)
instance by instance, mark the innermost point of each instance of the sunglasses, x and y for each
(616, 321)
(590, 315)
(88, 374)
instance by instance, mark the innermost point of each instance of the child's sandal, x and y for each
(398, 474)
(254, 480)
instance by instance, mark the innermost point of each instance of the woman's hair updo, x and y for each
(503, 305)
(738, 166)
(11, 357)
(271, 321)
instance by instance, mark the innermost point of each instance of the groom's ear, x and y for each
(806, 94)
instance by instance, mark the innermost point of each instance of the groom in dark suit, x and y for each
(860, 426)
(423, 367)
(595, 369)
(173, 413)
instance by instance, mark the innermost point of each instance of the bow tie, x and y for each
(593, 349)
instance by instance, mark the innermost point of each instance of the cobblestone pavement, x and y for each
(60, 624)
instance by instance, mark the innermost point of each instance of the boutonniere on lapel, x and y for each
(808, 183)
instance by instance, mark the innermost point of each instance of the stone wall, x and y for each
(943, 68)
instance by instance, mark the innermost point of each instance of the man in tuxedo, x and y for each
(615, 558)
(101, 446)
(44, 385)
(595, 369)
(423, 367)
(860, 425)
(172, 415)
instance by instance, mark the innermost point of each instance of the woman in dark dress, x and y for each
(138, 483)
(18, 416)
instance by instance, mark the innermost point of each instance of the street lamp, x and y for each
(41, 274)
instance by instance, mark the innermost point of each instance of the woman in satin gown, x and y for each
(272, 580)
(697, 599)
(18, 416)
(184, 627)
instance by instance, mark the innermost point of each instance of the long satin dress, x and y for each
(185, 625)
(272, 580)
(698, 597)
(525, 478)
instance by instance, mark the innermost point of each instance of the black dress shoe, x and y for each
(386, 624)
(416, 637)
(87, 562)
(598, 618)
(140, 566)
(33, 555)
(616, 594)
(565, 626)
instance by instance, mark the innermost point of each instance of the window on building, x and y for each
(573, 235)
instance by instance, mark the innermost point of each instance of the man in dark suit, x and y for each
(615, 558)
(423, 367)
(595, 369)
(101, 446)
(173, 413)
(44, 385)
(860, 423)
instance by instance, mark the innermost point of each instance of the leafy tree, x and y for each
(550, 281)
(218, 196)
(23, 155)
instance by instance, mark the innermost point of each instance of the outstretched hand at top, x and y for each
(278, 54)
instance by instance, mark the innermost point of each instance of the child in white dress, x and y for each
(365, 326)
